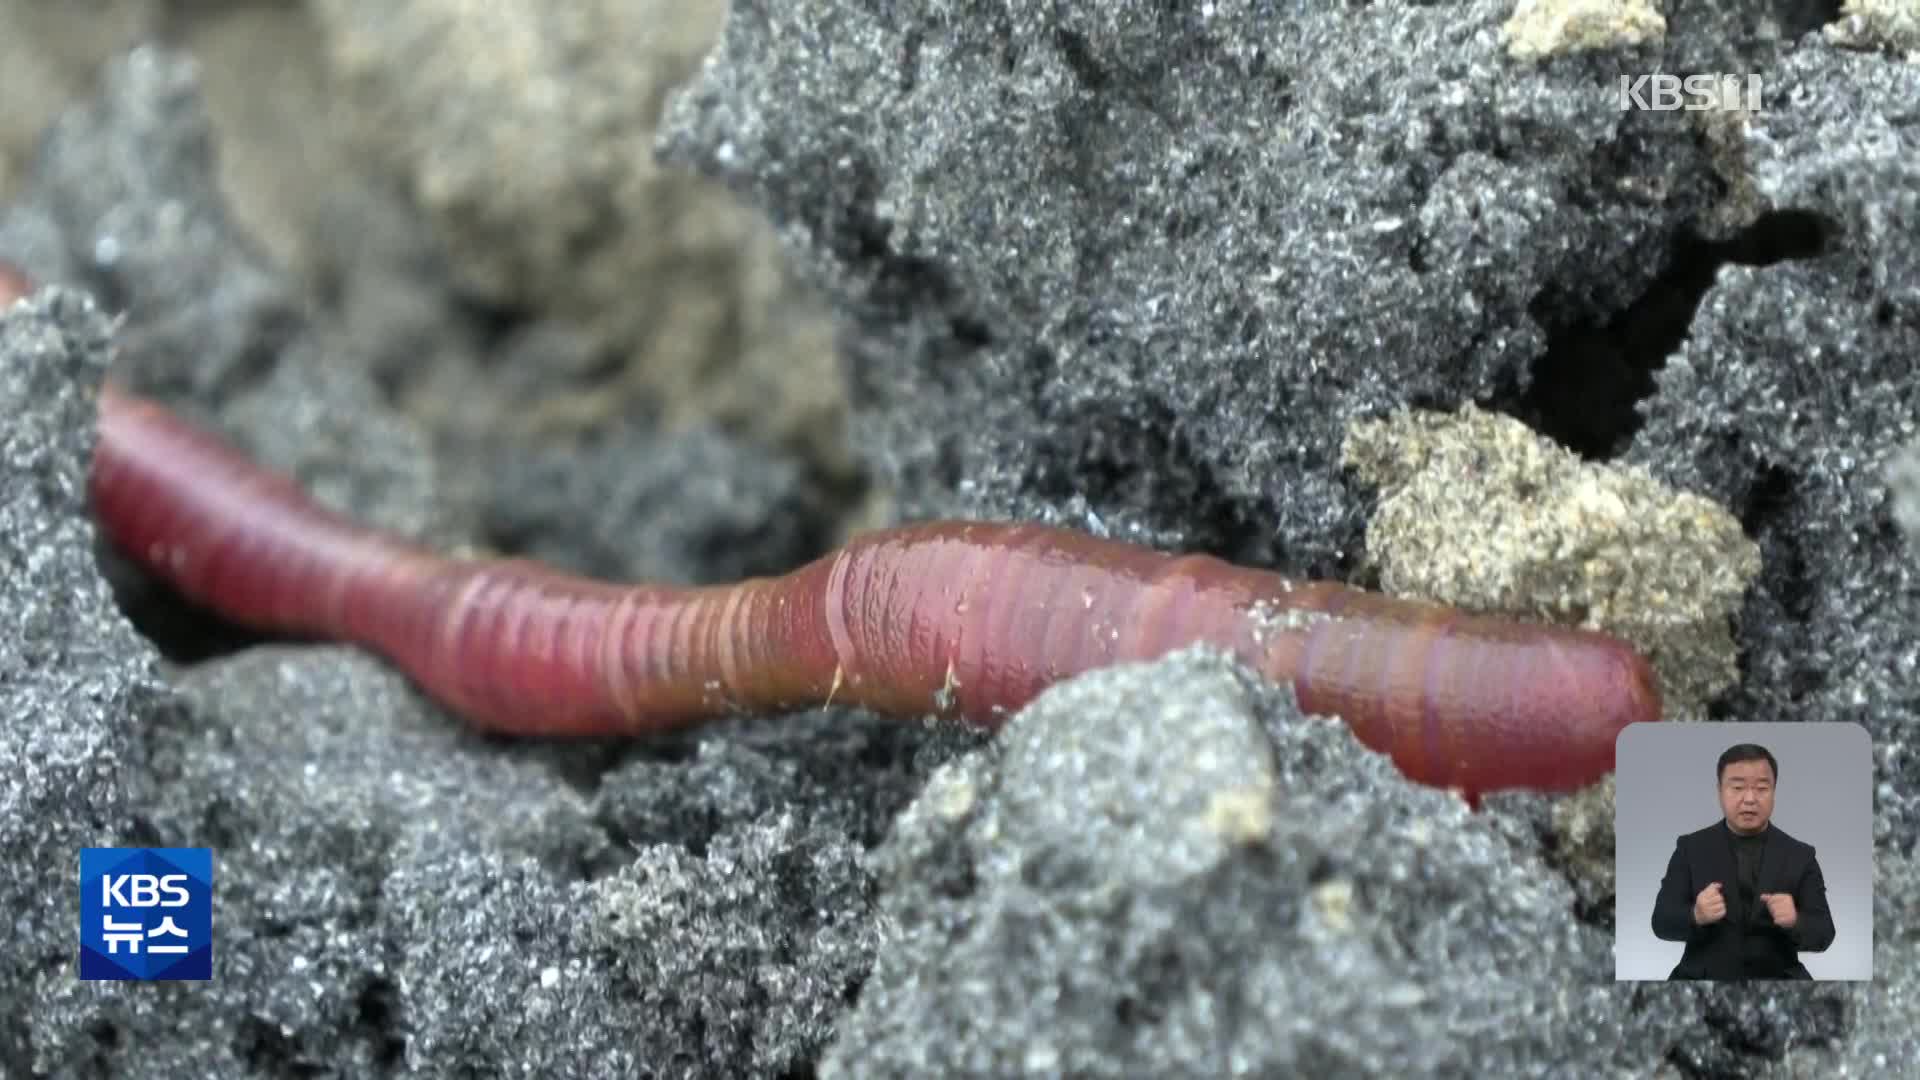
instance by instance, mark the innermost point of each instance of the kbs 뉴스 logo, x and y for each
(146, 913)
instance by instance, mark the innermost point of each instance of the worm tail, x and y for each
(511, 645)
(1467, 701)
(230, 535)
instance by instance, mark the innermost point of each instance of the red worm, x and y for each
(966, 619)
(13, 284)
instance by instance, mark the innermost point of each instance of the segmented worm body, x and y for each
(961, 619)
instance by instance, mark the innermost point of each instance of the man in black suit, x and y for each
(1742, 894)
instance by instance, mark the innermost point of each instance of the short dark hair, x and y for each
(1746, 751)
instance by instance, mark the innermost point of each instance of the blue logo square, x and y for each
(146, 913)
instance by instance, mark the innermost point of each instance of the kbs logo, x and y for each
(146, 913)
(1665, 92)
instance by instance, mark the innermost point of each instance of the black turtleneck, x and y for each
(1756, 953)
(1746, 856)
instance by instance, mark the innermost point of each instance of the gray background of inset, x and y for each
(1665, 775)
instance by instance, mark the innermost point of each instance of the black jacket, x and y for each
(1744, 944)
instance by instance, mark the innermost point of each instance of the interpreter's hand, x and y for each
(1780, 906)
(1710, 906)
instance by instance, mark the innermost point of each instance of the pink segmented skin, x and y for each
(965, 619)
